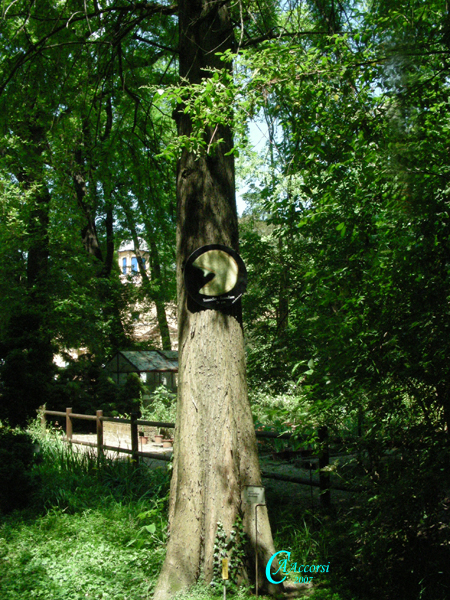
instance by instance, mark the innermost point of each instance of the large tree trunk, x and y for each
(215, 453)
(27, 369)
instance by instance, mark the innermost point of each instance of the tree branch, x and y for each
(155, 44)
(273, 34)
(147, 9)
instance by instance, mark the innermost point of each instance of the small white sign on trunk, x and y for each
(254, 494)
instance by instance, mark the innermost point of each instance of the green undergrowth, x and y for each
(96, 529)
(203, 592)
(90, 554)
(92, 529)
(306, 533)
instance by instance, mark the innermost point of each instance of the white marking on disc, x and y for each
(225, 269)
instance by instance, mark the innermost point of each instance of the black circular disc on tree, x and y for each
(215, 276)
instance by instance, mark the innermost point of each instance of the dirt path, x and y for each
(121, 443)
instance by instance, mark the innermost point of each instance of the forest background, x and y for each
(345, 234)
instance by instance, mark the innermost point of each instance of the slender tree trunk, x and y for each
(155, 265)
(155, 268)
(38, 225)
(38, 253)
(283, 299)
(109, 257)
(215, 453)
(108, 292)
(103, 263)
(89, 231)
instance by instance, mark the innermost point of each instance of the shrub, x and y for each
(73, 479)
(161, 407)
(17, 456)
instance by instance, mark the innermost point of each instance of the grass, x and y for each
(77, 556)
(94, 529)
(97, 530)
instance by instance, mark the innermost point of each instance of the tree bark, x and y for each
(283, 299)
(103, 263)
(38, 226)
(215, 452)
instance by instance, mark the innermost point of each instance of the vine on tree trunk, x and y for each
(233, 548)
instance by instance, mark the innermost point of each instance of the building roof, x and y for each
(141, 361)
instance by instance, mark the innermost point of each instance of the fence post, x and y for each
(43, 418)
(68, 425)
(134, 439)
(324, 461)
(99, 424)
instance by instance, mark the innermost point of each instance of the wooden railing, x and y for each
(99, 419)
(134, 422)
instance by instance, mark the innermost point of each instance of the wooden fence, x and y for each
(99, 419)
(323, 458)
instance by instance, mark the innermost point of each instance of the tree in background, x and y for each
(360, 191)
(66, 113)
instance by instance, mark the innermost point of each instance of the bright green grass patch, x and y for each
(92, 554)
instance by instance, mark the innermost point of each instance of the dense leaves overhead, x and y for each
(356, 189)
(346, 233)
